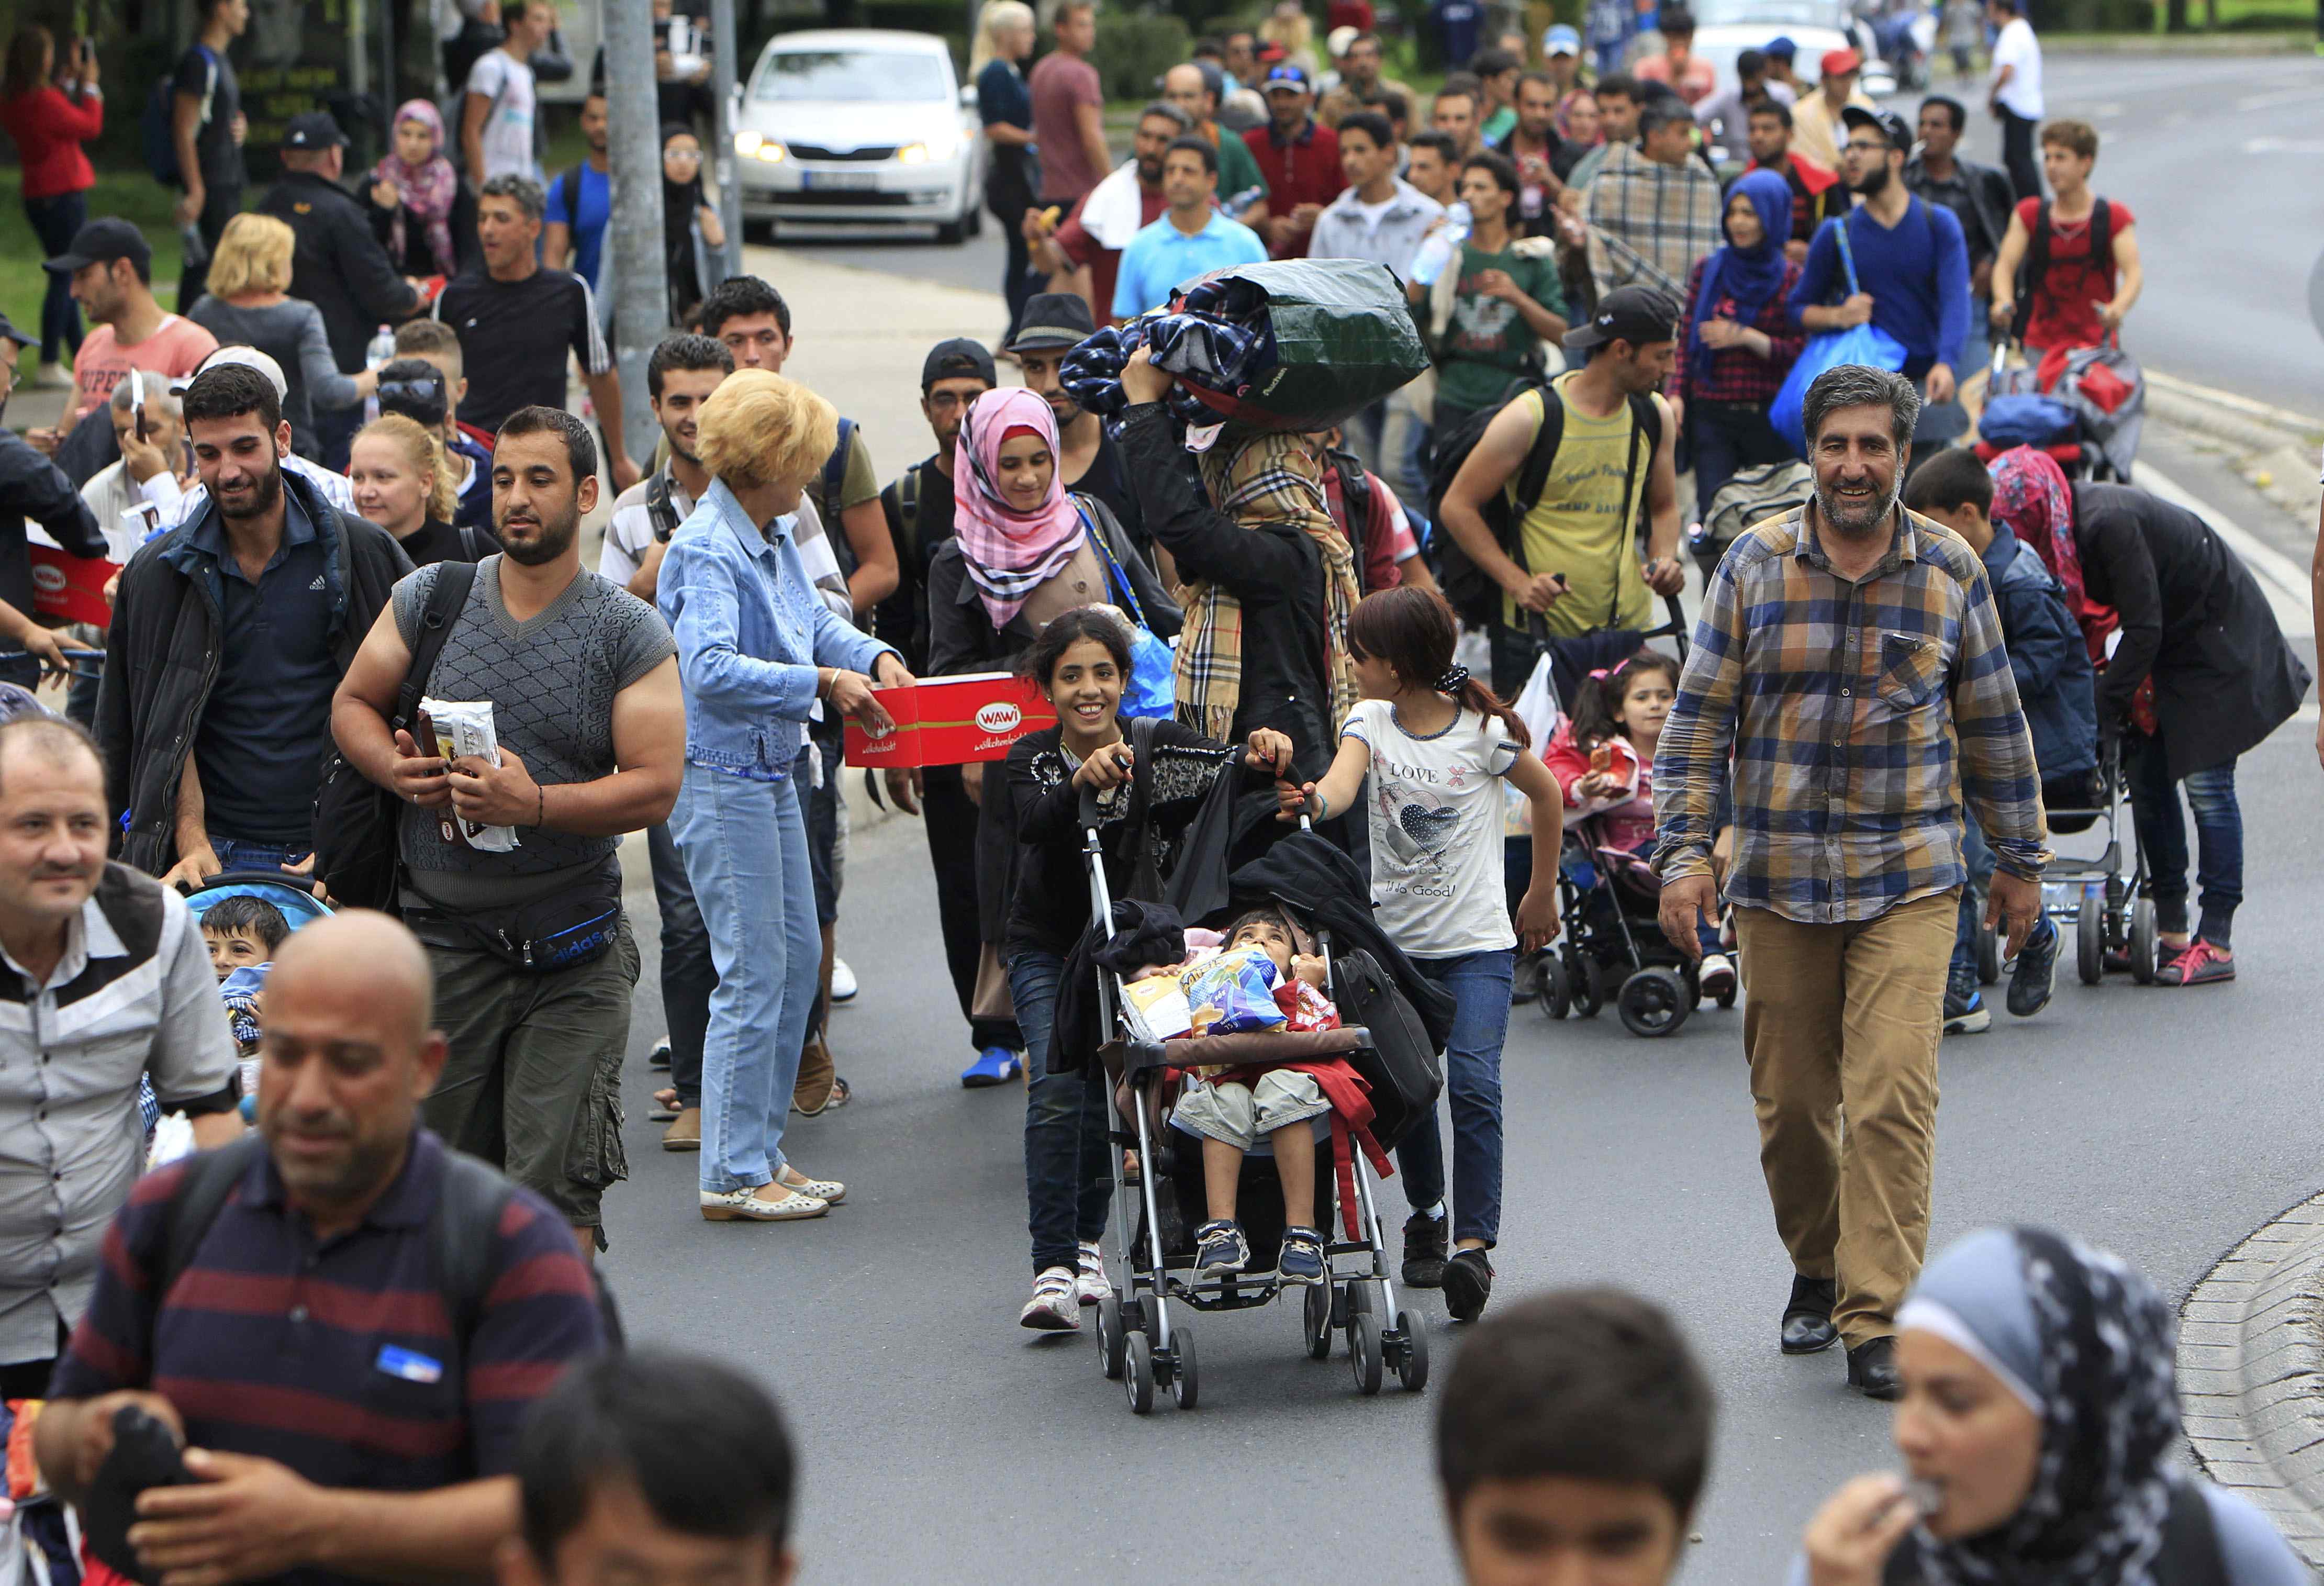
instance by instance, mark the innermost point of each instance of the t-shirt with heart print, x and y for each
(1434, 805)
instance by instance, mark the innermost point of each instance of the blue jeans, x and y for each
(687, 977)
(1067, 1178)
(1978, 858)
(1403, 447)
(54, 221)
(2163, 835)
(1479, 984)
(745, 844)
(235, 853)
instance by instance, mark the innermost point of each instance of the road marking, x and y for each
(2284, 146)
(2268, 101)
(2283, 580)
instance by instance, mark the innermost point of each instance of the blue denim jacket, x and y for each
(751, 632)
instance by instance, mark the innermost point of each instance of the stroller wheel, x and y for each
(2142, 941)
(1589, 991)
(2089, 941)
(1652, 1002)
(1137, 1374)
(1556, 987)
(1315, 1322)
(1412, 1352)
(1109, 1335)
(1185, 1383)
(1364, 1350)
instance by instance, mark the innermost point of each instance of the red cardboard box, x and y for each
(69, 586)
(952, 720)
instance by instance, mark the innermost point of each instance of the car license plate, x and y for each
(840, 180)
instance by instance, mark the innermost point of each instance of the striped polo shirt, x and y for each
(337, 1359)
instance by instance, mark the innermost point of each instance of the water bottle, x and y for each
(1441, 246)
(382, 351)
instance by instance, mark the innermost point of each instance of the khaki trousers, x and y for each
(1841, 1024)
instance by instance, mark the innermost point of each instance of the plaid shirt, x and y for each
(1844, 706)
(1736, 373)
(1650, 223)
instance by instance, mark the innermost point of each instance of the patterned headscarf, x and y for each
(1010, 554)
(2109, 1405)
(428, 190)
(2030, 495)
(1273, 478)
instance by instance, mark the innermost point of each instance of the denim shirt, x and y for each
(751, 632)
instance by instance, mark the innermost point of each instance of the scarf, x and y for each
(1270, 478)
(2108, 1399)
(428, 190)
(2031, 496)
(1010, 554)
(1564, 128)
(1751, 276)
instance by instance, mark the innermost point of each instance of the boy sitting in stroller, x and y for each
(1232, 1108)
(242, 933)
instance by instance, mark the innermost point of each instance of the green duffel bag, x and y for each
(1338, 336)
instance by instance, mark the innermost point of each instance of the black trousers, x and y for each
(951, 816)
(2018, 154)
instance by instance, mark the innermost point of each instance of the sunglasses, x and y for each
(412, 391)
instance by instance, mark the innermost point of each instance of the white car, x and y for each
(1724, 28)
(860, 127)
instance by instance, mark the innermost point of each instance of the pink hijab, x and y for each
(428, 190)
(1010, 554)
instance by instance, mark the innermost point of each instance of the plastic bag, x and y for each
(1342, 334)
(1538, 708)
(1232, 992)
(1867, 344)
(464, 727)
(1149, 690)
(1156, 1009)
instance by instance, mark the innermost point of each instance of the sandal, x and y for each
(664, 1107)
(836, 1097)
(822, 1189)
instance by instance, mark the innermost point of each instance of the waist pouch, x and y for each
(564, 929)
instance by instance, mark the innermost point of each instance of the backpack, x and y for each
(1356, 502)
(1753, 495)
(1469, 587)
(661, 510)
(158, 128)
(2033, 272)
(1400, 1066)
(827, 488)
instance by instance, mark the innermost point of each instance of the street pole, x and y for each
(640, 283)
(722, 85)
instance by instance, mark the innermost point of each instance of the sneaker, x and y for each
(2036, 974)
(2201, 963)
(1468, 1284)
(1717, 975)
(1219, 1247)
(768, 1203)
(995, 1065)
(842, 981)
(659, 1056)
(1302, 1262)
(1091, 1285)
(52, 377)
(1966, 1013)
(1053, 1307)
(1426, 1241)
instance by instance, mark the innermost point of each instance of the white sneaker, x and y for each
(1717, 974)
(842, 981)
(750, 1205)
(1053, 1307)
(1092, 1285)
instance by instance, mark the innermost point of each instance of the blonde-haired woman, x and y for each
(1004, 38)
(248, 303)
(757, 649)
(404, 483)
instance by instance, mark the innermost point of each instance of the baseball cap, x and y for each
(104, 241)
(1270, 52)
(1634, 313)
(314, 129)
(958, 359)
(249, 358)
(1561, 39)
(1337, 41)
(1891, 124)
(1840, 62)
(1780, 48)
(1053, 321)
(1287, 76)
(8, 329)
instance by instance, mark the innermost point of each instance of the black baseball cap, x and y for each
(1053, 321)
(958, 359)
(1634, 313)
(8, 329)
(1891, 124)
(104, 241)
(1287, 76)
(314, 129)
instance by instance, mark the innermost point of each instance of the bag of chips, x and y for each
(1232, 992)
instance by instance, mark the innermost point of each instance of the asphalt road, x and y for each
(2214, 155)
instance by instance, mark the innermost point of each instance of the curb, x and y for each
(2220, 43)
(2251, 1374)
(2237, 418)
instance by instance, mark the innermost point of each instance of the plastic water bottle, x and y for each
(382, 351)
(1441, 246)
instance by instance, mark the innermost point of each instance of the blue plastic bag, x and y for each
(1860, 344)
(2018, 420)
(1150, 690)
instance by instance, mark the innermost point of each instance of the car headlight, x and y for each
(752, 145)
(942, 146)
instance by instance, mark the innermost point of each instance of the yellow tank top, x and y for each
(1579, 527)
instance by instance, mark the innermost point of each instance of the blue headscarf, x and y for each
(1751, 276)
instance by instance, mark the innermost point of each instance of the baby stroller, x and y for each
(288, 893)
(1139, 1344)
(2099, 899)
(2086, 408)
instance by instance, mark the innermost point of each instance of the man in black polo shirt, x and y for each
(516, 320)
(363, 1323)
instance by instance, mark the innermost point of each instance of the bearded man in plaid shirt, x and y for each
(1849, 659)
(1654, 210)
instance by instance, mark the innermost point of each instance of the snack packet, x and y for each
(1232, 992)
(1156, 1009)
(462, 727)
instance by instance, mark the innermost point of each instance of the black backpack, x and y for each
(2034, 271)
(1401, 1064)
(1469, 587)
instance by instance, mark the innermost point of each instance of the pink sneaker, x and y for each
(2201, 963)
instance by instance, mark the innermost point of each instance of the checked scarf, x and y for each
(1271, 478)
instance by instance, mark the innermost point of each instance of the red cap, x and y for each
(1840, 62)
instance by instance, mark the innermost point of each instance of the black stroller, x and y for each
(1139, 1342)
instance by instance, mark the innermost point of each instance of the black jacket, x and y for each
(31, 486)
(419, 261)
(339, 266)
(2193, 616)
(961, 634)
(161, 658)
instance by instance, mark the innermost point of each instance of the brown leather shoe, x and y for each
(812, 1093)
(685, 1133)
